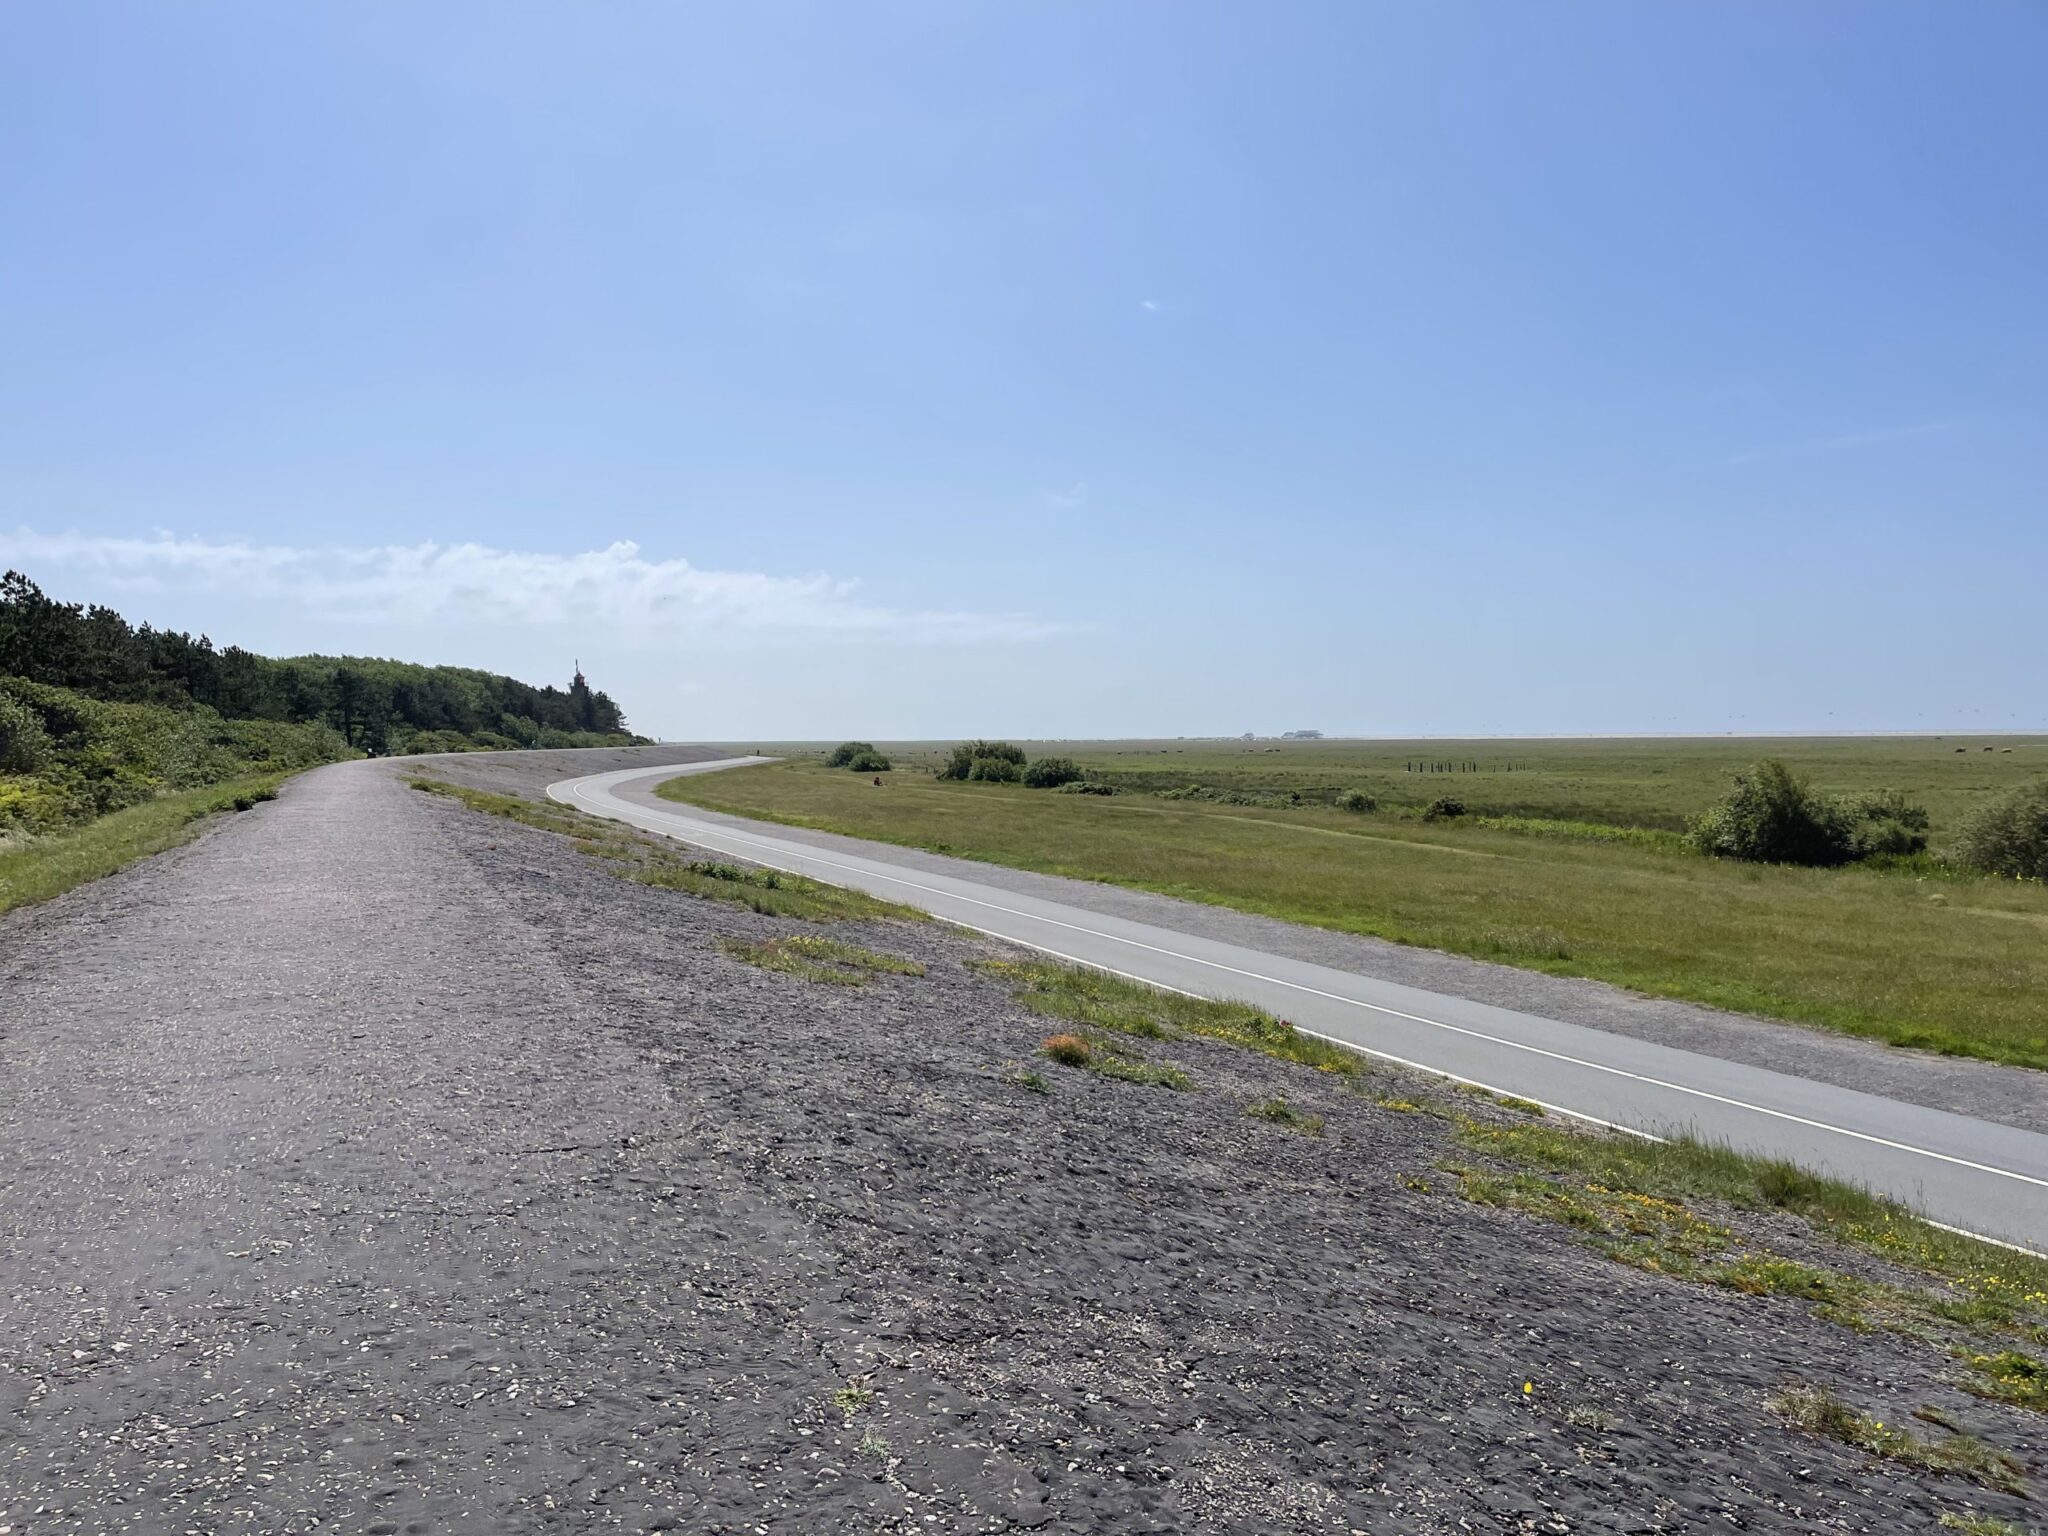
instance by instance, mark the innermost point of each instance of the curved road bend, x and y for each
(1985, 1178)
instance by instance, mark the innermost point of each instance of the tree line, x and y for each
(376, 705)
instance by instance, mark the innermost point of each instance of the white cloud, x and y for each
(465, 584)
(1150, 306)
(1072, 499)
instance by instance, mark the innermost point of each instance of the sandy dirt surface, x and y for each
(376, 1166)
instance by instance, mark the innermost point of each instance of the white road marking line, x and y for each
(577, 789)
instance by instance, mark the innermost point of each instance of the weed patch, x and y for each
(852, 1398)
(1817, 1411)
(1278, 1111)
(1106, 1058)
(1098, 1001)
(818, 959)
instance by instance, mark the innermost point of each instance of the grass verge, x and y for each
(655, 863)
(49, 866)
(819, 959)
(1628, 1199)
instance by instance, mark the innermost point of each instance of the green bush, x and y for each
(1086, 787)
(1775, 817)
(99, 757)
(2010, 836)
(1357, 800)
(994, 770)
(842, 756)
(1443, 808)
(1887, 825)
(869, 761)
(961, 760)
(1772, 816)
(24, 745)
(1051, 773)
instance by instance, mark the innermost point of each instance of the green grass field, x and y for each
(1905, 956)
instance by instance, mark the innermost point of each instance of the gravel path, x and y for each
(375, 1166)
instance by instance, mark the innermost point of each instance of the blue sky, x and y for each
(1053, 369)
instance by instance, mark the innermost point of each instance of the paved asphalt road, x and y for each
(1981, 1177)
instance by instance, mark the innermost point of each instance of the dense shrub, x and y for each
(842, 756)
(994, 770)
(1051, 773)
(24, 744)
(960, 762)
(1886, 824)
(2009, 836)
(1087, 787)
(1443, 808)
(869, 761)
(97, 757)
(1356, 800)
(1775, 817)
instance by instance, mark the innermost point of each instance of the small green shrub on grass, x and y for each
(1357, 800)
(1773, 816)
(1443, 808)
(869, 761)
(817, 959)
(1886, 826)
(1086, 787)
(2009, 837)
(843, 755)
(1051, 773)
(994, 770)
(963, 761)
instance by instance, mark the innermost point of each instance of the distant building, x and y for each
(1301, 735)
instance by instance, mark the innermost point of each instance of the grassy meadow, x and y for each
(1568, 862)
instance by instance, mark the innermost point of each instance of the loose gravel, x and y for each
(373, 1165)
